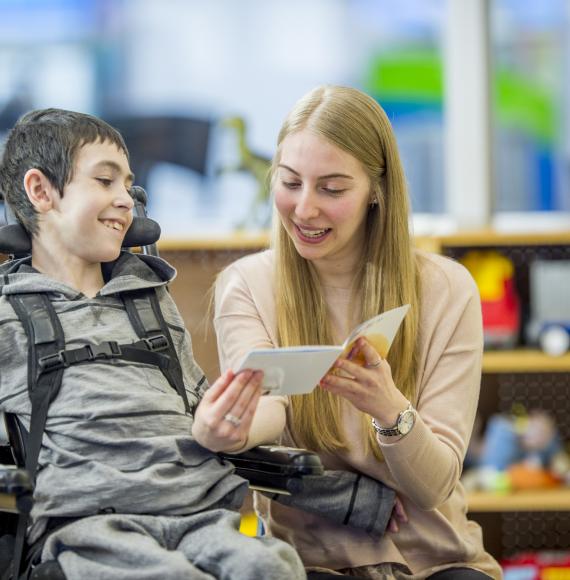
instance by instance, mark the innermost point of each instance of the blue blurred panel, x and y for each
(34, 21)
(416, 111)
(545, 185)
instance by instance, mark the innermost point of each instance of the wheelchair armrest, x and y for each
(13, 437)
(274, 468)
(16, 490)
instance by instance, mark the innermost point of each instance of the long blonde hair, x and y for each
(388, 274)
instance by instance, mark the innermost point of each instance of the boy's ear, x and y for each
(39, 190)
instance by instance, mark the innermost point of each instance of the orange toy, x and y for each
(524, 476)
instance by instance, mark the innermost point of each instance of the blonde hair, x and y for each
(387, 278)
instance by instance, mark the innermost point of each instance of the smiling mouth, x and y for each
(113, 225)
(313, 235)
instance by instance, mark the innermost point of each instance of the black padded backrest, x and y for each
(144, 232)
(14, 239)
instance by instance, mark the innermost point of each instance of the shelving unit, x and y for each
(522, 520)
(510, 522)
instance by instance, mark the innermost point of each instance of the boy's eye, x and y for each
(104, 181)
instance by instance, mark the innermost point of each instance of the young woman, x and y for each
(342, 253)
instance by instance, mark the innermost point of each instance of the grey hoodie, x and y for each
(117, 435)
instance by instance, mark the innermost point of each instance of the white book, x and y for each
(296, 370)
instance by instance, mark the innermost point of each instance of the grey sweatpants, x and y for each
(197, 547)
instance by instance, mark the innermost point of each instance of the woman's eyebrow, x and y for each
(328, 176)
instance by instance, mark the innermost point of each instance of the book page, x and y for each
(294, 370)
(379, 331)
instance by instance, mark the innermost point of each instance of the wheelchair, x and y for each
(268, 468)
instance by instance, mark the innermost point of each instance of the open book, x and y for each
(296, 370)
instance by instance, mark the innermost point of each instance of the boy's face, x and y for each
(89, 222)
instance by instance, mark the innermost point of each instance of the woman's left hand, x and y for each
(223, 418)
(370, 388)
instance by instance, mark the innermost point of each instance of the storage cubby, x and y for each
(524, 520)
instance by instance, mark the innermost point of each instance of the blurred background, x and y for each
(478, 92)
(199, 89)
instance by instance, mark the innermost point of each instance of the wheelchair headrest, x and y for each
(15, 240)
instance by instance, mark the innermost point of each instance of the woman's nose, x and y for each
(306, 207)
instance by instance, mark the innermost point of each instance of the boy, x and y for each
(126, 484)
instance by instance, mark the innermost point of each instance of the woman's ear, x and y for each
(375, 195)
(39, 190)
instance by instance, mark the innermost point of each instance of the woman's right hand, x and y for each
(399, 516)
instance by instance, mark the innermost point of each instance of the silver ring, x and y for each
(374, 365)
(235, 421)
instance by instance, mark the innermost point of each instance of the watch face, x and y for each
(406, 422)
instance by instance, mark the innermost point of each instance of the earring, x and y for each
(373, 203)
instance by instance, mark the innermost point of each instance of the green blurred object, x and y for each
(501, 483)
(415, 75)
(524, 105)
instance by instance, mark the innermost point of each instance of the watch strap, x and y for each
(386, 432)
(391, 431)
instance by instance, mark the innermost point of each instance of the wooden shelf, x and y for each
(483, 238)
(493, 238)
(524, 361)
(230, 242)
(557, 499)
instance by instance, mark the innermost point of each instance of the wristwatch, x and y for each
(405, 422)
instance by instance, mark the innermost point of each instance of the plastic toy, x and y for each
(549, 324)
(520, 451)
(259, 214)
(494, 275)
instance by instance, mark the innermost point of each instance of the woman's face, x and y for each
(322, 194)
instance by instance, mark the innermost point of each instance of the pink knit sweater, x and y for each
(423, 467)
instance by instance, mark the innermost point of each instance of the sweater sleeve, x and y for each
(241, 321)
(427, 462)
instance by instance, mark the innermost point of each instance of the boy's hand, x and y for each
(223, 417)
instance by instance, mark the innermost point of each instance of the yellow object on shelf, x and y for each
(490, 269)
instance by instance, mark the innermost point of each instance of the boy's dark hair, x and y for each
(48, 140)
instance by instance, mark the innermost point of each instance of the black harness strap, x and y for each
(45, 339)
(148, 321)
(143, 351)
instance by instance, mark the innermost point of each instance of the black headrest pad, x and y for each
(14, 240)
(143, 232)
